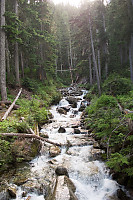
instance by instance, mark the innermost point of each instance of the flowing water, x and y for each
(90, 176)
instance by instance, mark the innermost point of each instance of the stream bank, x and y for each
(70, 172)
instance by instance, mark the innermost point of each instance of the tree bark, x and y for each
(11, 106)
(90, 69)
(131, 58)
(2, 53)
(94, 58)
(8, 59)
(99, 63)
(16, 51)
(22, 64)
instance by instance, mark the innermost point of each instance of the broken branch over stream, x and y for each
(23, 135)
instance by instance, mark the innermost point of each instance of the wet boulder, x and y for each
(74, 105)
(12, 190)
(96, 145)
(61, 130)
(66, 108)
(61, 111)
(64, 189)
(77, 131)
(72, 116)
(27, 149)
(60, 171)
(33, 186)
(122, 195)
(24, 194)
(72, 100)
(81, 109)
(75, 112)
(54, 151)
(43, 133)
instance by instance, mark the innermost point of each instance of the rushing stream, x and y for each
(90, 176)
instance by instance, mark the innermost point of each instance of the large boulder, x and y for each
(54, 151)
(77, 131)
(82, 106)
(61, 130)
(12, 190)
(72, 100)
(66, 108)
(26, 150)
(60, 171)
(61, 111)
(122, 195)
(64, 189)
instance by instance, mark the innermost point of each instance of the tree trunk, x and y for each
(105, 42)
(71, 60)
(42, 70)
(2, 53)
(8, 59)
(16, 52)
(121, 54)
(94, 58)
(22, 64)
(90, 69)
(106, 69)
(99, 63)
(131, 58)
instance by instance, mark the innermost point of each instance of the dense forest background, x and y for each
(45, 46)
(42, 41)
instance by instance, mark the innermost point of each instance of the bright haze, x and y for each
(71, 2)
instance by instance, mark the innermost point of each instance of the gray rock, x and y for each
(60, 171)
(62, 111)
(74, 105)
(77, 131)
(72, 100)
(54, 151)
(12, 190)
(122, 195)
(61, 130)
(64, 189)
(66, 108)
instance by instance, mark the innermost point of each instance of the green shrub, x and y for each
(8, 126)
(5, 154)
(117, 85)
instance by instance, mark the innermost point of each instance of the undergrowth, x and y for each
(112, 127)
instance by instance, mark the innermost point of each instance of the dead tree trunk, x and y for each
(11, 106)
(16, 51)
(2, 52)
(90, 69)
(99, 63)
(131, 58)
(8, 59)
(94, 58)
(22, 64)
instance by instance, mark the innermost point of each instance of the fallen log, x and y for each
(11, 106)
(23, 135)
